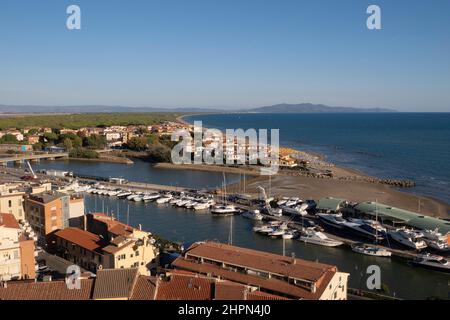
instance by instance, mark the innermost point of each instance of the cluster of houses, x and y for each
(115, 136)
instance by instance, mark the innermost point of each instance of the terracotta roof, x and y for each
(227, 290)
(320, 274)
(84, 239)
(117, 228)
(145, 288)
(53, 290)
(184, 287)
(115, 283)
(258, 295)
(259, 260)
(8, 220)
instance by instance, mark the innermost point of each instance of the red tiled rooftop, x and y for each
(8, 221)
(53, 290)
(184, 287)
(84, 239)
(259, 260)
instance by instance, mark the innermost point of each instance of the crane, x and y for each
(33, 176)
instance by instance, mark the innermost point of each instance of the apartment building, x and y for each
(47, 212)
(17, 250)
(273, 274)
(11, 201)
(107, 243)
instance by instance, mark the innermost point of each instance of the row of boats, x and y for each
(183, 200)
(372, 229)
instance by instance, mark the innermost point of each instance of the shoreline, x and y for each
(349, 178)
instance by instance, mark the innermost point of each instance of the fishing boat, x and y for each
(409, 238)
(432, 262)
(370, 250)
(310, 235)
(253, 215)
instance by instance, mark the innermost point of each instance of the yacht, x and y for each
(123, 195)
(310, 235)
(432, 262)
(164, 199)
(202, 205)
(263, 229)
(276, 233)
(151, 197)
(131, 196)
(297, 210)
(436, 240)
(138, 198)
(253, 215)
(334, 220)
(409, 238)
(367, 228)
(223, 209)
(370, 250)
(287, 235)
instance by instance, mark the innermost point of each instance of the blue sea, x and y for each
(412, 146)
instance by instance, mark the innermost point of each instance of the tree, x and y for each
(51, 137)
(9, 139)
(95, 141)
(137, 144)
(159, 153)
(67, 144)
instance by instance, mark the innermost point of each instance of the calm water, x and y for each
(142, 171)
(397, 145)
(185, 226)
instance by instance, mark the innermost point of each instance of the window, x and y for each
(136, 253)
(9, 203)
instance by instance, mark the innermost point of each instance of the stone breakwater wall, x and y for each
(392, 182)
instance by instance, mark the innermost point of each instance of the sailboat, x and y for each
(224, 209)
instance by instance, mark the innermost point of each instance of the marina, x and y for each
(186, 217)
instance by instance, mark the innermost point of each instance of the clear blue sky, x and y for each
(226, 53)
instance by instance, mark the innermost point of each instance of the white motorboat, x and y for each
(293, 210)
(370, 250)
(253, 215)
(433, 262)
(409, 238)
(436, 240)
(367, 228)
(203, 205)
(131, 196)
(223, 209)
(276, 233)
(310, 235)
(263, 229)
(287, 235)
(164, 199)
(333, 220)
(138, 198)
(151, 197)
(123, 195)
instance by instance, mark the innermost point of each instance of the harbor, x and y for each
(185, 226)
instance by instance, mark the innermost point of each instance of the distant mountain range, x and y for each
(278, 108)
(314, 108)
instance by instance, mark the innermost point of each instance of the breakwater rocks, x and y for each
(391, 182)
